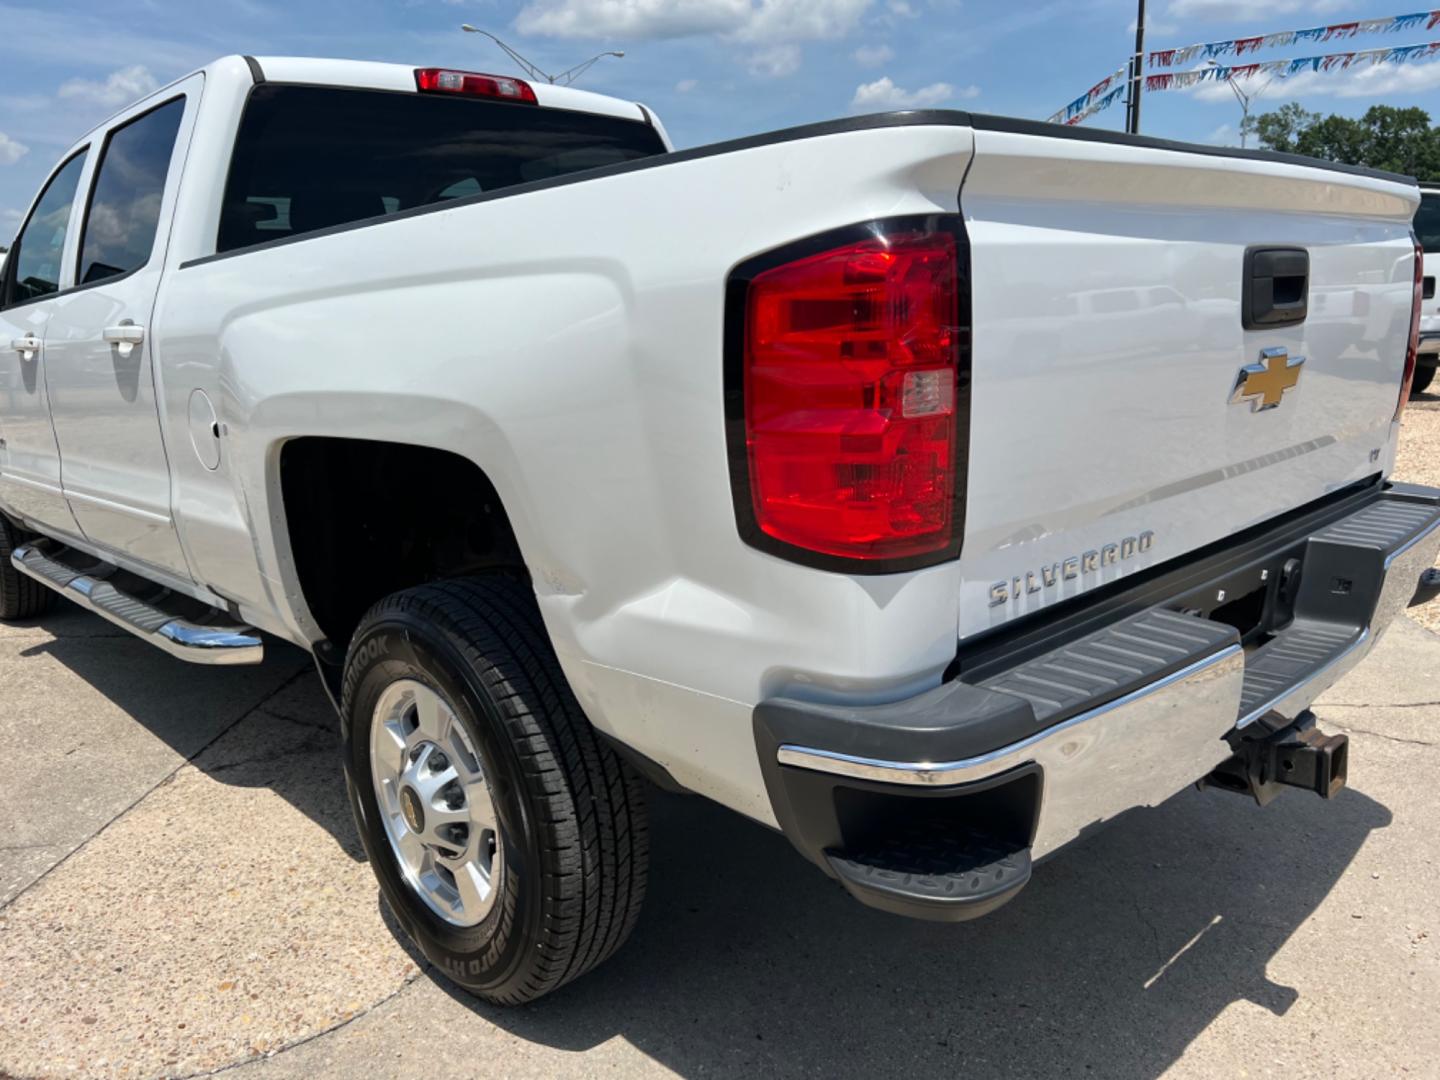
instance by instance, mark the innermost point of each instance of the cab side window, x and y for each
(124, 213)
(34, 264)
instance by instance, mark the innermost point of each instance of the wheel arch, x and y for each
(365, 518)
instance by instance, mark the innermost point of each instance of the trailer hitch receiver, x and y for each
(1274, 754)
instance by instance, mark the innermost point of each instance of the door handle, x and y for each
(26, 346)
(125, 337)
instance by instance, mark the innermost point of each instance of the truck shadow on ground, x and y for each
(267, 726)
(748, 961)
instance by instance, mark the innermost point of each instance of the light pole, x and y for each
(565, 78)
(1244, 99)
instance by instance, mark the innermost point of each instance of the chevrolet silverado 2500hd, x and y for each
(931, 487)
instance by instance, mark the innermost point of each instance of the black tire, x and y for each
(571, 813)
(21, 597)
(1423, 377)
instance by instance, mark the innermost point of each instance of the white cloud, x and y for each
(902, 8)
(684, 86)
(1221, 136)
(802, 20)
(775, 62)
(1243, 10)
(1400, 81)
(884, 94)
(777, 21)
(1379, 80)
(1155, 26)
(1238, 10)
(10, 150)
(120, 88)
(873, 55)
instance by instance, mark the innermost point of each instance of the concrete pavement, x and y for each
(166, 917)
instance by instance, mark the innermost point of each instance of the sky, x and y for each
(712, 69)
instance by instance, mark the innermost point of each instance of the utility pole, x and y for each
(1137, 71)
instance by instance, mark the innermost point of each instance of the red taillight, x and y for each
(445, 81)
(852, 385)
(1413, 348)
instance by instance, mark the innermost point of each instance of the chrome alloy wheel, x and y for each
(435, 803)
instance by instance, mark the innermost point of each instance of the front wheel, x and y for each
(508, 839)
(21, 596)
(1423, 377)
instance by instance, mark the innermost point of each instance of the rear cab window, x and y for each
(309, 157)
(124, 214)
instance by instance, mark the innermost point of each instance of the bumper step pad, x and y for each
(1111, 663)
(1357, 574)
(1303, 648)
(935, 871)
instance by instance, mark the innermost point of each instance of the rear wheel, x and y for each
(508, 839)
(21, 597)
(1423, 377)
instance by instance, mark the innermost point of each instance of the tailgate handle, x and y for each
(1276, 288)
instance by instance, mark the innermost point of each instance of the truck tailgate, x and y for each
(1106, 432)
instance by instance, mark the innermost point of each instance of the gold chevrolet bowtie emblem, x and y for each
(1264, 384)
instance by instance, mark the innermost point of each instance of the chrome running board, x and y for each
(180, 625)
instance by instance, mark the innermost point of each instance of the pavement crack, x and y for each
(1389, 738)
(318, 725)
(410, 981)
(169, 777)
(1154, 933)
(1371, 705)
(310, 746)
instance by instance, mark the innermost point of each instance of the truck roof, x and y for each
(373, 75)
(367, 74)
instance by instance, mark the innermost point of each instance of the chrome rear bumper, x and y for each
(1125, 750)
(1137, 751)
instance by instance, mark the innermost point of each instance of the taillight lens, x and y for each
(473, 84)
(853, 392)
(1413, 348)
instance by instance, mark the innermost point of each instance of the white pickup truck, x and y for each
(931, 487)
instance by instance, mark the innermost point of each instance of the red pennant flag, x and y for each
(1248, 44)
(1341, 30)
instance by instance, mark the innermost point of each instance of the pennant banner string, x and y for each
(1100, 103)
(1071, 113)
(1400, 54)
(1211, 50)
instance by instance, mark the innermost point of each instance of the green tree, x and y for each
(1280, 129)
(1386, 137)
